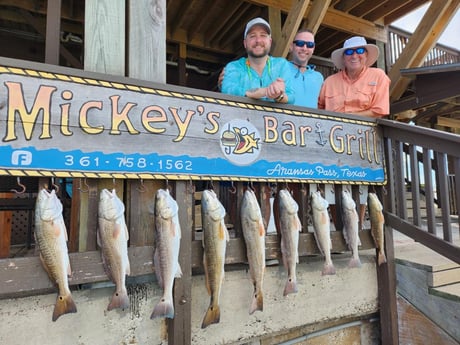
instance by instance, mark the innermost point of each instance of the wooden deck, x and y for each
(428, 293)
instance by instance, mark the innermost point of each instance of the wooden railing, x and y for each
(397, 40)
(440, 164)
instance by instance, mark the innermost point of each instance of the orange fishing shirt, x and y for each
(371, 91)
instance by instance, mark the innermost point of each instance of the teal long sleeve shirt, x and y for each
(240, 77)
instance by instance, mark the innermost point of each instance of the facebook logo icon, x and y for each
(21, 157)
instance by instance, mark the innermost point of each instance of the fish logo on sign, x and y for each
(240, 142)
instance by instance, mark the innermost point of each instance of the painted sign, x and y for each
(68, 123)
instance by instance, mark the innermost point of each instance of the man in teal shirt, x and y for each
(259, 75)
(306, 82)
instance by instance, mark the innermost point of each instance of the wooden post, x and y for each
(105, 53)
(180, 328)
(147, 61)
(6, 218)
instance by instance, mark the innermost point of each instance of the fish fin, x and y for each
(381, 257)
(261, 229)
(298, 224)
(57, 228)
(126, 232)
(128, 269)
(257, 303)
(178, 272)
(212, 316)
(163, 308)
(223, 232)
(117, 230)
(323, 218)
(65, 232)
(119, 300)
(64, 305)
(354, 263)
(328, 269)
(69, 270)
(290, 287)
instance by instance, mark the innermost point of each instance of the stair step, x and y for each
(444, 277)
(451, 292)
(440, 270)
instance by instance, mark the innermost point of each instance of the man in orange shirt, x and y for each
(357, 88)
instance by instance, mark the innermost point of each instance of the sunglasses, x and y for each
(301, 43)
(359, 51)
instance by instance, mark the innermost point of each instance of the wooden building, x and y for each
(174, 50)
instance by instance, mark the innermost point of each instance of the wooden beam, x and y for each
(427, 33)
(53, 32)
(25, 276)
(345, 22)
(274, 18)
(316, 15)
(291, 25)
(336, 20)
(449, 122)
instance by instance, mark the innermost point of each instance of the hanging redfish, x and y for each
(166, 255)
(290, 228)
(112, 238)
(254, 237)
(321, 226)
(351, 227)
(215, 238)
(51, 238)
(377, 224)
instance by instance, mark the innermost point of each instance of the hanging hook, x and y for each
(141, 187)
(56, 187)
(18, 179)
(232, 189)
(191, 188)
(86, 184)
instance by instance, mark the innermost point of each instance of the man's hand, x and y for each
(258, 93)
(277, 89)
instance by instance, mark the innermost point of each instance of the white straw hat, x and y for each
(257, 21)
(355, 42)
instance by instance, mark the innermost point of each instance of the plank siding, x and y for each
(26, 276)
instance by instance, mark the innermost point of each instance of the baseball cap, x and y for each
(256, 21)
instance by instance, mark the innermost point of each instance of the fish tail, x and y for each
(119, 300)
(257, 303)
(290, 287)
(381, 258)
(354, 263)
(328, 269)
(212, 316)
(163, 308)
(64, 305)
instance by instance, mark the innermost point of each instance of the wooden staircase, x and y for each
(431, 284)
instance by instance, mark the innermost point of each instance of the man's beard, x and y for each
(264, 53)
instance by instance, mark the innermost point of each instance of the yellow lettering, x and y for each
(271, 133)
(337, 142)
(182, 125)
(118, 118)
(65, 130)
(147, 119)
(84, 117)
(212, 116)
(288, 135)
(28, 120)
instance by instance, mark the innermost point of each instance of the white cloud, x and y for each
(450, 37)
